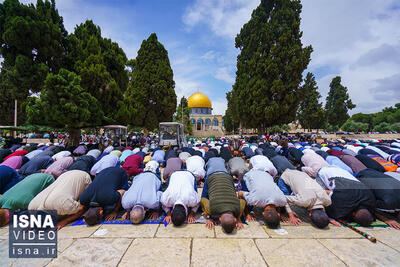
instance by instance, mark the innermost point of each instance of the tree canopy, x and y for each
(386, 120)
(33, 43)
(182, 115)
(311, 113)
(101, 65)
(150, 97)
(338, 103)
(270, 66)
(71, 105)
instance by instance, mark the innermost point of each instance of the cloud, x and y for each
(385, 53)
(359, 41)
(209, 55)
(224, 75)
(219, 106)
(224, 18)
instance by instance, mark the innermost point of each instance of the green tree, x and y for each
(352, 126)
(150, 97)
(101, 65)
(33, 43)
(382, 127)
(270, 65)
(71, 105)
(229, 124)
(338, 103)
(182, 115)
(364, 118)
(311, 113)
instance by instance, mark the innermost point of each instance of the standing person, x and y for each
(180, 196)
(103, 195)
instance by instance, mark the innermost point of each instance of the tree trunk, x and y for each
(74, 136)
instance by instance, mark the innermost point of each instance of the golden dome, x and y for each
(199, 100)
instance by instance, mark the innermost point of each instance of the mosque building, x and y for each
(203, 121)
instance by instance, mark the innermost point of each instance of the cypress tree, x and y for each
(311, 113)
(150, 97)
(338, 103)
(270, 65)
(101, 65)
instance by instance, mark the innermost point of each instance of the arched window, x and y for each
(193, 121)
(215, 122)
(207, 125)
(199, 124)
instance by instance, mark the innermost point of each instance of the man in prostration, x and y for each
(21, 194)
(219, 201)
(143, 196)
(63, 196)
(303, 191)
(260, 191)
(180, 197)
(103, 196)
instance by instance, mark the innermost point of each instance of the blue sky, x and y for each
(358, 39)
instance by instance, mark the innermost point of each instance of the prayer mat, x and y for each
(119, 220)
(376, 223)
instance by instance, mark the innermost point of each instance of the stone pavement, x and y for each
(195, 245)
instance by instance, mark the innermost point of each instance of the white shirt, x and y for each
(333, 171)
(94, 153)
(61, 154)
(180, 191)
(262, 163)
(308, 150)
(195, 164)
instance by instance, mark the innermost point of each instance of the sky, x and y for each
(358, 40)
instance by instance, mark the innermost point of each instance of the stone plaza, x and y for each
(195, 245)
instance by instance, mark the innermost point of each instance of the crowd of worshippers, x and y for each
(350, 180)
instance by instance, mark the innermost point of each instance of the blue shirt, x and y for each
(145, 191)
(8, 178)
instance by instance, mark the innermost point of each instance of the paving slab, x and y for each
(158, 252)
(186, 230)
(309, 232)
(93, 252)
(362, 252)
(251, 230)
(226, 252)
(296, 252)
(63, 244)
(79, 231)
(387, 236)
(6, 261)
(126, 230)
(4, 232)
